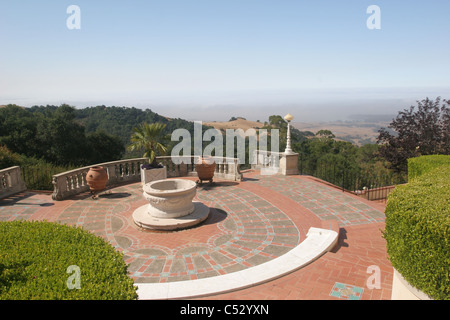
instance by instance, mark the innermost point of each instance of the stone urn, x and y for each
(205, 167)
(170, 205)
(170, 198)
(96, 178)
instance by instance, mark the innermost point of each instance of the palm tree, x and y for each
(148, 137)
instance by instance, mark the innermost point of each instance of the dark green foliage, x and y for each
(418, 227)
(345, 164)
(61, 139)
(38, 175)
(103, 147)
(35, 256)
(18, 129)
(56, 136)
(8, 158)
(120, 121)
(424, 130)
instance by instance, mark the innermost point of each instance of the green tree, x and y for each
(149, 138)
(62, 140)
(18, 129)
(103, 147)
(424, 130)
(8, 158)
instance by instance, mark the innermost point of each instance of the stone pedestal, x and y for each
(289, 163)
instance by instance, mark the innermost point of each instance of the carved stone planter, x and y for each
(170, 206)
(170, 198)
(149, 175)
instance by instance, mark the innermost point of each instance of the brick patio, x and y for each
(251, 222)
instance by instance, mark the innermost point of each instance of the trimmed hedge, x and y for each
(420, 165)
(418, 227)
(35, 257)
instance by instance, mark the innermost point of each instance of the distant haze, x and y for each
(306, 106)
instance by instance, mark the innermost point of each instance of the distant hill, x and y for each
(356, 132)
(120, 121)
(239, 123)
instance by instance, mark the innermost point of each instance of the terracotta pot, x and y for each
(97, 178)
(205, 168)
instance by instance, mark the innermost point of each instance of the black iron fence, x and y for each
(372, 183)
(39, 177)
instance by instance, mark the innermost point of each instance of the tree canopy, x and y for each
(420, 130)
(54, 135)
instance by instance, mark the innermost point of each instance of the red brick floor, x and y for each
(359, 248)
(252, 216)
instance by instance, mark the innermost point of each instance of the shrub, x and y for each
(418, 226)
(8, 158)
(420, 165)
(34, 261)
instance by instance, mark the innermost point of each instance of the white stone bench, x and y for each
(318, 241)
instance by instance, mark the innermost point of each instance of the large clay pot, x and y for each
(97, 177)
(205, 168)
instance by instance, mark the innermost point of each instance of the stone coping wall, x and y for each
(11, 182)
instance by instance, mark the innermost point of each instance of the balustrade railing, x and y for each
(270, 162)
(11, 182)
(74, 182)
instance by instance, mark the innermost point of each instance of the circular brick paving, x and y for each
(243, 230)
(250, 223)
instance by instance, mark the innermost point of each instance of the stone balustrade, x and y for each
(11, 182)
(226, 168)
(275, 162)
(74, 182)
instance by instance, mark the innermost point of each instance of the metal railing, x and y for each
(363, 183)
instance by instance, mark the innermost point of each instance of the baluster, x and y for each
(77, 180)
(69, 183)
(3, 184)
(136, 168)
(83, 179)
(192, 164)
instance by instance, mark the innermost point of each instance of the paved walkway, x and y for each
(250, 223)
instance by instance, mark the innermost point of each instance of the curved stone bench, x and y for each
(318, 241)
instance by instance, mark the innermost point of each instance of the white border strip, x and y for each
(318, 241)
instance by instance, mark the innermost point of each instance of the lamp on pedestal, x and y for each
(288, 118)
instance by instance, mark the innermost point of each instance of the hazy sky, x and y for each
(214, 59)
